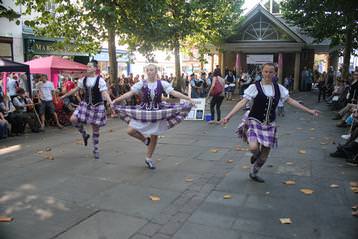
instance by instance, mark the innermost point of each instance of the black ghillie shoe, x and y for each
(85, 139)
(96, 155)
(256, 178)
(147, 142)
(150, 164)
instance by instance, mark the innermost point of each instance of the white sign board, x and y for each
(259, 59)
(198, 112)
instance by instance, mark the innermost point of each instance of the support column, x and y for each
(296, 81)
(280, 66)
(221, 61)
(212, 62)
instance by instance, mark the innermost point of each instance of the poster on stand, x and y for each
(197, 112)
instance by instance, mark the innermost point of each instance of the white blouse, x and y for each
(91, 81)
(251, 92)
(137, 87)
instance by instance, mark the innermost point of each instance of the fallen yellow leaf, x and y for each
(312, 129)
(354, 189)
(154, 198)
(188, 179)
(230, 161)
(227, 196)
(302, 151)
(334, 186)
(353, 184)
(213, 150)
(79, 141)
(40, 152)
(285, 221)
(289, 163)
(324, 143)
(307, 191)
(289, 182)
(245, 166)
(48, 149)
(50, 157)
(159, 159)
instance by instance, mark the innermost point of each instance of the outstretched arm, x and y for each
(179, 95)
(71, 92)
(297, 105)
(236, 109)
(124, 96)
(106, 96)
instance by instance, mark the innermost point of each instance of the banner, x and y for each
(259, 59)
(198, 112)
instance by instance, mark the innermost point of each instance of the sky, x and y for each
(249, 4)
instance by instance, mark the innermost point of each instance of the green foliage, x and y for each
(192, 24)
(324, 18)
(10, 14)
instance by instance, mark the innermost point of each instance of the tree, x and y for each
(333, 19)
(182, 23)
(82, 25)
(8, 13)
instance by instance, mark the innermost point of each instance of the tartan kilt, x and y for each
(172, 113)
(91, 114)
(253, 130)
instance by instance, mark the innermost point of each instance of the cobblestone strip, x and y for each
(173, 217)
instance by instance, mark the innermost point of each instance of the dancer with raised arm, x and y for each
(91, 109)
(259, 128)
(153, 116)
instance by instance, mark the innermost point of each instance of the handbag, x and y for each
(218, 88)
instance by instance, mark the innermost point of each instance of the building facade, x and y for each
(265, 36)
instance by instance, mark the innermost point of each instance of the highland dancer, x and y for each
(152, 117)
(259, 128)
(91, 109)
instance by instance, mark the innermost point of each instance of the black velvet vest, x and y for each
(264, 107)
(93, 95)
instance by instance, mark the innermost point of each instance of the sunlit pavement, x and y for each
(52, 188)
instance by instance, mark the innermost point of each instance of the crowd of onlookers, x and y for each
(342, 96)
(18, 110)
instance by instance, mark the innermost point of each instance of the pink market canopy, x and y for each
(53, 65)
(8, 66)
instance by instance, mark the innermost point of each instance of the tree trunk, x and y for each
(347, 52)
(112, 54)
(177, 65)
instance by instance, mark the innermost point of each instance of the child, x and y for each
(91, 110)
(153, 117)
(259, 128)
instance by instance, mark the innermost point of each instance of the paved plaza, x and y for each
(76, 197)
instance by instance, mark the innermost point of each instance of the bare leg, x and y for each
(152, 145)
(57, 122)
(136, 134)
(42, 117)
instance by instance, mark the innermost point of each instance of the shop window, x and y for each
(6, 50)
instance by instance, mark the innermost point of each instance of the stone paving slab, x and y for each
(110, 197)
(105, 225)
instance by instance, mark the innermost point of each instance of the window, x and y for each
(260, 31)
(6, 48)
